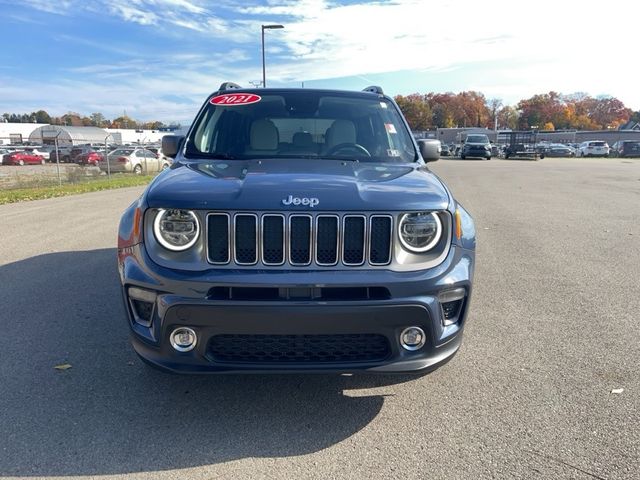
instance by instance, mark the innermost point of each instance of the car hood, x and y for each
(266, 184)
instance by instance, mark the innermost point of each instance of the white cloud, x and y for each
(58, 7)
(549, 45)
(133, 14)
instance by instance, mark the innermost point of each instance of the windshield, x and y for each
(121, 152)
(301, 124)
(477, 139)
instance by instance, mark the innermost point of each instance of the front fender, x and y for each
(467, 238)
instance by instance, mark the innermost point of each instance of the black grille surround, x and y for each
(305, 349)
(292, 239)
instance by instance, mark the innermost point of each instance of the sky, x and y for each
(160, 59)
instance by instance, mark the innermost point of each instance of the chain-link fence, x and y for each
(25, 165)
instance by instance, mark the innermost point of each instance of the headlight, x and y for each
(176, 230)
(420, 232)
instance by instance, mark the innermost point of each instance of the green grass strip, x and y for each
(39, 193)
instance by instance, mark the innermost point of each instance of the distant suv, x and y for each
(62, 153)
(476, 145)
(297, 230)
(626, 148)
(595, 148)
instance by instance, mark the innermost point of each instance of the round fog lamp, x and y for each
(183, 339)
(412, 338)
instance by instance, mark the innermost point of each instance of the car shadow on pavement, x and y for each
(110, 414)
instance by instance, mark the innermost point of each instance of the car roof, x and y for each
(276, 91)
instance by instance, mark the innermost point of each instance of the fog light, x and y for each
(183, 339)
(412, 338)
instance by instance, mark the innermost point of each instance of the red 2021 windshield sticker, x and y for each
(233, 99)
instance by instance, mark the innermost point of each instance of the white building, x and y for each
(138, 136)
(17, 132)
(21, 132)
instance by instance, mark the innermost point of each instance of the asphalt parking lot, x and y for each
(553, 329)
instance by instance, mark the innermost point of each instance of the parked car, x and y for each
(21, 157)
(249, 256)
(89, 157)
(625, 148)
(557, 150)
(3, 152)
(64, 152)
(78, 150)
(134, 160)
(42, 151)
(476, 145)
(166, 161)
(445, 152)
(594, 148)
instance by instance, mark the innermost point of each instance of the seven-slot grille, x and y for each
(298, 240)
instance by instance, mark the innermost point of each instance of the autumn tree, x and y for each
(416, 110)
(508, 118)
(442, 109)
(97, 119)
(124, 122)
(71, 119)
(540, 109)
(609, 112)
(153, 125)
(471, 110)
(494, 105)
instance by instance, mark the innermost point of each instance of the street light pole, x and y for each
(106, 155)
(264, 74)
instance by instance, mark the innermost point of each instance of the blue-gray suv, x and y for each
(297, 230)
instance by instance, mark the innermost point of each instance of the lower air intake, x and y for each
(306, 349)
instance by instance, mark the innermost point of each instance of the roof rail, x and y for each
(229, 86)
(374, 89)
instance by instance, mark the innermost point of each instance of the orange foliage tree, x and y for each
(550, 111)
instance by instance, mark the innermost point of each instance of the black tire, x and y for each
(137, 170)
(463, 157)
(488, 158)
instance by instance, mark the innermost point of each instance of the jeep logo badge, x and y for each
(308, 202)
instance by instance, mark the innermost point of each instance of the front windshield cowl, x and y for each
(303, 124)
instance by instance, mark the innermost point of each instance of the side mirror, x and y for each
(171, 145)
(430, 150)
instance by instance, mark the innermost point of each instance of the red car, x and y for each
(89, 158)
(23, 158)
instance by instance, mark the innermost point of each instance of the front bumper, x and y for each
(192, 299)
(476, 152)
